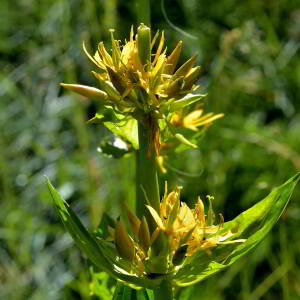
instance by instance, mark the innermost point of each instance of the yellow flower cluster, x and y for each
(131, 78)
(146, 85)
(186, 231)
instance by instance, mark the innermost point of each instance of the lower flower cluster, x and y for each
(184, 232)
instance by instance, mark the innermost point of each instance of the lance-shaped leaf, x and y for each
(178, 104)
(100, 252)
(252, 225)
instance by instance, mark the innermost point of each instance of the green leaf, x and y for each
(101, 253)
(179, 104)
(81, 236)
(124, 127)
(112, 149)
(253, 225)
(127, 130)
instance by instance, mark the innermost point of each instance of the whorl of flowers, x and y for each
(185, 230)
(137, 81)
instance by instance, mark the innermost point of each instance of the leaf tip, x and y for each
(296, 177)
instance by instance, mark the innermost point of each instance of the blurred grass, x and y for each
(249, 52)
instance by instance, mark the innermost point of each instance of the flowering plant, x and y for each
(167, 243)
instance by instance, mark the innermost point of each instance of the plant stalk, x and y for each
(146, 176)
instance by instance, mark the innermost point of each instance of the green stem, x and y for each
(143, 12)
(147, 188)
(146, 176)
(164, 292)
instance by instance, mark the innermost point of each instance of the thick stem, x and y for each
(148, 190)
(164, 292)
(146, 176)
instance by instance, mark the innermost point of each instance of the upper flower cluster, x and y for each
(135, 79)
(142, 84)
(131, 77)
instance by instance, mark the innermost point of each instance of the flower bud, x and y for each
(185, 68)
(175, 86)
(172, 59)
(87, 91)
(108, 88)
(117, 80)
(144, 235)
(124, 243)
(144, 45)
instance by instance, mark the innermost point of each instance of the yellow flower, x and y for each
(194, 119)
(189, 226)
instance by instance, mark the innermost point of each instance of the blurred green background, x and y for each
(249, 52)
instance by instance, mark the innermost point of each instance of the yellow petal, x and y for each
(208, 120)
(156, 217)
(157, 71)
(144, 235)
(159, 49)
(154, 39)
(105, 55)
(96, 62)
(116, 52)
(185, 68)
(173, 213)
(131, 34)
(192, 77)
(191, 117)
(199, 210)
(172, 59)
